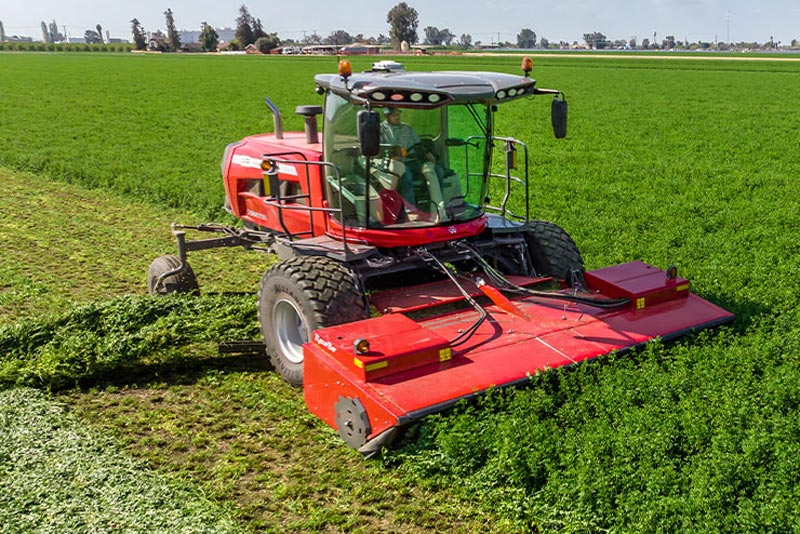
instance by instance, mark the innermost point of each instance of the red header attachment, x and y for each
(382, 346)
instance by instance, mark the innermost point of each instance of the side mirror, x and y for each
(558, 116)
(369, 132)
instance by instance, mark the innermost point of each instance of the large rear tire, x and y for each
(298, 296)
(183, 282)
(552, 250)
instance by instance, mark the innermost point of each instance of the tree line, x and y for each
(51, 35)
(402, 18)
(249, 31)
(403, 21)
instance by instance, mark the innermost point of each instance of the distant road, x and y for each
(654, 55)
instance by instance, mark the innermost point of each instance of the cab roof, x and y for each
(427, 89)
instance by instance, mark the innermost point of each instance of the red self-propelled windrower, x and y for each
(402, 287)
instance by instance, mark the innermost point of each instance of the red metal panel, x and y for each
(325, 380)
(244, 166)
(411, 236)
(643, 284)
(396, 343)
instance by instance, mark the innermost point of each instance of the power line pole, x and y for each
(728, 16)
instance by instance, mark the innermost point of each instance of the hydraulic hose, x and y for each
(502, 282)
(466, 334)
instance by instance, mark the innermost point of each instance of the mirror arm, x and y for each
(556, 92)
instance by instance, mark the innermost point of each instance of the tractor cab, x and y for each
(413, 150)
(404, 159)
(419, 176)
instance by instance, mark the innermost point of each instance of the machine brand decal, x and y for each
(445, 354)
(324, 343)
(358, 363)
(256, 215)
(684, 287)
(246, 161)
(285, 168)
(452, 230)
(255, 163)
(640, 303)
(377, 365)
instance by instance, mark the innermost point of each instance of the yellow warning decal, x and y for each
(358, 363)
(640, 303)
(445, 354)
(377, 365)
(684, 287)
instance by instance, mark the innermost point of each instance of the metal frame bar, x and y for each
(509, 143)
(309, 209)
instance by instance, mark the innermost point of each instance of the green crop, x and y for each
(695, 437)
(686, 162)
(154, 130)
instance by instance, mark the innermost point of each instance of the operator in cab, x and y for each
(396, 133)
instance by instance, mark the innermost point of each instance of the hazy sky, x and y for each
(484, 20)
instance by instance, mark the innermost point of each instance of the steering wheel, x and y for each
(419, 151)
(388, 151)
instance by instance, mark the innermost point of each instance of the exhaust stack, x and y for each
(310, 113)
(276, 117)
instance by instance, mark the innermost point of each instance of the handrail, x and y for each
(274, 170)
(511, 144)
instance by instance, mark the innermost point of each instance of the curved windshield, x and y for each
(431, 168)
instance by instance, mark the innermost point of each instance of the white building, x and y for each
(193, 36)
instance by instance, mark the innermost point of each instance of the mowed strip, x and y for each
(64, 244)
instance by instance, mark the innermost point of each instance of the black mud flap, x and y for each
(371, 448)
